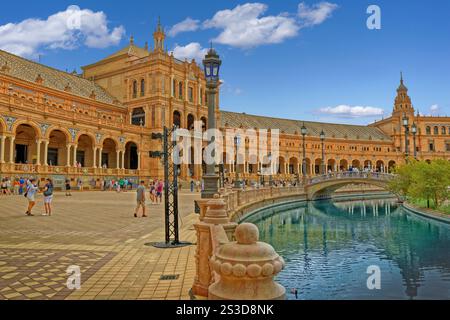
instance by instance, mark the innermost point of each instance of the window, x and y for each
(191, 94)
(444, 130)
(142, 87)
(428, 130)
(180, 90)
(431, 145)
(138, 117)
(447, 146)
(436, 130)
(135, 89)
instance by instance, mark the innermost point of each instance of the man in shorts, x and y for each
(140, 199)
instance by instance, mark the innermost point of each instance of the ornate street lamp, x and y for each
(304, 132)
(237, 143)
(405, 121)
(414, 132)
(322, 139)
(211, 65)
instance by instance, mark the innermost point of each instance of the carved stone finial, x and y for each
(39, 79)
(216, 212)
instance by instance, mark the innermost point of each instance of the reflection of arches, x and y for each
(57, 154)
(190, 122)
(109, 153)
(391, 166)
(343, 165)
(25, 149)
(85, 152)
(177, 119)
(131, 156)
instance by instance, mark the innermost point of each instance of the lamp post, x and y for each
(211, 65)
(304, 132)
(322, 139)
(237, 142)
(405, 121)
(414, 132)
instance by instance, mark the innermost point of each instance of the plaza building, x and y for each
(97, 125)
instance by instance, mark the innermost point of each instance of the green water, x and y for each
(328, 247)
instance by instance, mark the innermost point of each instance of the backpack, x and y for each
(49, 191)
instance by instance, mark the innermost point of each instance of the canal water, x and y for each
(328, 247)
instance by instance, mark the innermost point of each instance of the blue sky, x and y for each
(311, 60)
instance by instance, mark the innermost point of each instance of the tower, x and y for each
(159, 36)
(403, 103)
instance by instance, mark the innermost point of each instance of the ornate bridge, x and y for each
(322, 187)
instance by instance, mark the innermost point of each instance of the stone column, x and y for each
(11, 149)
(123, 159)
(38, 152)
(2, 149)
(68, 155)
(100, 153)
(246, 268)
(94, 159)
(46, 153)
(75, 147)
(118, 159)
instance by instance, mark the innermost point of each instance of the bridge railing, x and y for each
(350, 175)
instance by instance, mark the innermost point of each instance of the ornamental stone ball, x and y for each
(247, 233)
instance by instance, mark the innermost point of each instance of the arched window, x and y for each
(444, 130)
(135, 89)
(428, 130)
(180, 90)
(177, 119)
(138, 117)
(142, 87)
(436, 130)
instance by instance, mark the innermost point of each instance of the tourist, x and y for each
(140, 199)
(30, 194)
(159, 191)
(152, 192)
(80, 184)
(16, 186)
(192, 185)
(48, 197)
(125, 185)
(68, 188)
(3, 186)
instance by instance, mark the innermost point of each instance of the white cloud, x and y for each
(191, 51)
(186, 25)
(434, 109)
(315, 14)
(352, 111)
(245, 27)
(63, 30)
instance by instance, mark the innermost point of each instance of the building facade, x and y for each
(98, 125)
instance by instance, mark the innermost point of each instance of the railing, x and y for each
(350, 175)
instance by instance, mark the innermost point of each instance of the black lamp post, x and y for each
(237, 142)
(211, 65)
(304, 132)
(405, 121)
(322, 139)
(414, 132)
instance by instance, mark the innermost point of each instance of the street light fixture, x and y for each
(237, 143)
(304, 132)
(211, 65)
(322, 139)
(405, 121)
(414, 132)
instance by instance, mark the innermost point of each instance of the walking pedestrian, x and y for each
(140, 199)
(48, 197)
(68, 188)
(30, 194)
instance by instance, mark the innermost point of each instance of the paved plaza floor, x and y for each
(97, 232)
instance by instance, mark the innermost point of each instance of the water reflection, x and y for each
(329, 245)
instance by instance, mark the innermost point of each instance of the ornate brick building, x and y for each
(98, 125)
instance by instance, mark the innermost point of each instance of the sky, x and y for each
(306, 60)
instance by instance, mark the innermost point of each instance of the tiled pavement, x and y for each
(97, 232)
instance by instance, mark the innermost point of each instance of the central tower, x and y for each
(159, 36)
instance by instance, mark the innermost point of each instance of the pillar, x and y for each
(38, 152)
(118, 159)
(100, 153)
(94, 164)
(11, 149)
(123, 159)
(68, 156)
(75, 147)
(46, 153)
(2, 149)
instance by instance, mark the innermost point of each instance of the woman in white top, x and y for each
(32, 189)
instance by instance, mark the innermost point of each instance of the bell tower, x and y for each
(159, 36)
(403, 103)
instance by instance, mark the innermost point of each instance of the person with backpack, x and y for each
(48, 197)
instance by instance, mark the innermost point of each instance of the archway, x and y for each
(57, 152)
(85, 150)
(190, 122)
(391, 166)
(331, 165)
(380, 166)
(25, 148)
(177, 119)
(109, 154)
(343, 165)
(317, 166)
(356, 164)
(293, 166)
(131, 156)
(368, 164)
